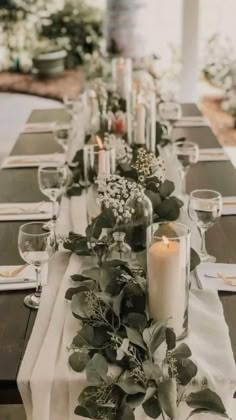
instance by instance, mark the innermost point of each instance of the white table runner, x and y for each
(50, 388)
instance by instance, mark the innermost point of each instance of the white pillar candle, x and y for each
(140, 120)
(166, 284)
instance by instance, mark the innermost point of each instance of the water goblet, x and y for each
(35, 247)
(52, 182)
(205, 208)
(187, 154)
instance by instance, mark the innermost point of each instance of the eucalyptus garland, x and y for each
(131, 362)
(147, 369)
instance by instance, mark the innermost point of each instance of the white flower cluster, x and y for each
(147, 164)
(122, 149)
(116, 191)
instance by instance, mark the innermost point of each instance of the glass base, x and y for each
(207, 258)
(32, 301)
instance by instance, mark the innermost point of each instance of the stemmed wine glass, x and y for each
(187, 153)
(62, 134)
(205, 208)
(35, 247)
(73, 104)
(171, 112)
(52, 183)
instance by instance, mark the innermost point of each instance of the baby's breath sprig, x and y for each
(147, 165)
(116, 191)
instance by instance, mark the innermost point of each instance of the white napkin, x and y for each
(33, 161)
(26, 279)
(216, 283)
(191, 121)
(40, 127)
(26, 211)
(212, 154)
(229, 206)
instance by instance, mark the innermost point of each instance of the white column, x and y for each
(190, 69)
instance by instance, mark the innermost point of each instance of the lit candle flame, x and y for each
(166, 241)
(99, 142)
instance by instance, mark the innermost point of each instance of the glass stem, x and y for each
(183, 179)
(38, 290)
(54, 212)
(203, 250)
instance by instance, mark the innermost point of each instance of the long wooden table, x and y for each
(16, 321)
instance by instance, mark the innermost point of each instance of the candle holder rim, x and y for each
(187, 229)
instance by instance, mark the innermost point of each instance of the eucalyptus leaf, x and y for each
(92, 273)
(83, 412)
(167, 188)
(182, 351)
(135, 400)
(203, 411)
(169, 209)
(154, 336)
(154, 197)
(79, 277)
(152, 371)
(80, 306)
(84, 337)
(186, 370)
(206, 399)
(167, 393)
(96, 370)
(78, 360)
(135, 337)
(152, 407)
(170, 339)
(136, 320)
(84, 286)
(129, 384)
(125, 413)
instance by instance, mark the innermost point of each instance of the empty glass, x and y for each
(35, 247)
(52, 183)
(205, 208)
(187, 153)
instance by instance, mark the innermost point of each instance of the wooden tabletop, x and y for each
(16, 321)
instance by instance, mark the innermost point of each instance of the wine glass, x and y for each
(73, 104)
(62, 134)
(171, 112)
(205, 208)
(187, 153)
(35, 247)
(52, 183)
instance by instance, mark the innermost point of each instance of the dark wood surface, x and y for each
(16, 321)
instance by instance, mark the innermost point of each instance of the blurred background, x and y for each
(45, 44)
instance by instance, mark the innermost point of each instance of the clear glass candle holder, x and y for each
(98, 164)
(168, 266)
(144, 120)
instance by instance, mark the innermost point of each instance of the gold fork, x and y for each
(13, 273)
(226, 280)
